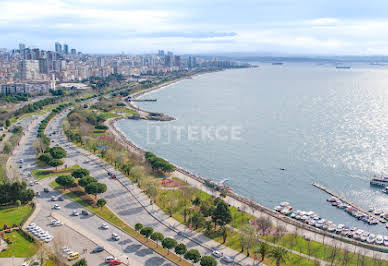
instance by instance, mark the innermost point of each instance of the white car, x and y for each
(109, 259)
(58, 223)
(115, 237)
(53, 221)
(217, 254)
(75, 213)
(104, 226)
(56, 207)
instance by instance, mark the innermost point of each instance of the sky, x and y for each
(262, 27)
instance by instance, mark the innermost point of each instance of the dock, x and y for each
(143, 100)
(328, 191)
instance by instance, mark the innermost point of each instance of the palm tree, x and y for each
(279, 254)
(263, 249)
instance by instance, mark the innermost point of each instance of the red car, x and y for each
(115, 262)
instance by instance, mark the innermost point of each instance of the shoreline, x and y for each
(255, 208)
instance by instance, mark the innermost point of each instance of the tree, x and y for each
(101, 203)
(263, 225)
(197, 220)
(180, 249)
(79, 173)
(57, 152)
(263, 249)
(169, 243)
(197, 201)
(157, 237)
(81, 262)
(279, 254)
(45, 157)
(55, 163)
(147, 231)
(65, 181)
(7, 123)
(247, 235)
(221, 214)
(138, 227)
(208, 261)
(18, 203)
(151, 190)
(206, 207)
(95, 188)
(86, 180)
(193, 255)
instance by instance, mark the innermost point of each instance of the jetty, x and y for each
(328, 191)
(143, 100)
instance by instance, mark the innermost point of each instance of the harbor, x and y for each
(353, 205)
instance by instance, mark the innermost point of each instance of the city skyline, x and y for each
(279, 27)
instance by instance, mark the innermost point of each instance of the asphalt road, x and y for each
(73, 233)
(125, 205)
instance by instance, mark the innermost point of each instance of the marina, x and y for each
(351, 204)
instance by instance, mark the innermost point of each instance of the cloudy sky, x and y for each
(319, 27)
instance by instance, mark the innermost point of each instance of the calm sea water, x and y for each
(320, 123)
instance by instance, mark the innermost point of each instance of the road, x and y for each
(128, 202)
(79, 232)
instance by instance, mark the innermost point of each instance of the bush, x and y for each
(79, 173)
(193, 255)
(208, 261)
(138, 226)
(147, 231)
(101, 127)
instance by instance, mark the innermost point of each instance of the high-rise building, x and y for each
(35, 53)
(28, 69)
(58, 47)
(22, 46)
(43, 65)
(169, 53)
(65, 49)
(160, 53)
(73, 51)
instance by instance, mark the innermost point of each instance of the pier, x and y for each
(382, 220)
(143, 100)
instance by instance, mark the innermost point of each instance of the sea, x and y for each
(270, 132)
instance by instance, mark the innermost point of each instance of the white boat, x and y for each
(332, 199)
(356, 235)
(293, 215)
(385, 240)
(378, 212)
(332, 228)
(379, 240)
(364, 236)
(278, 208)
(339, 228)
(371, 238)
(284, 204)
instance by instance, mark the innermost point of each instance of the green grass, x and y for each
(41, 174)
(108, 115)
(125, 110)
(20, 247)
(49, 263)
(14, 215)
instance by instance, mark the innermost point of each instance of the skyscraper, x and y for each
(65, 49)
(73, 51)
(22, 46)
(58, 47)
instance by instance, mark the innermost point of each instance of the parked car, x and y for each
(60, 198)
(75, 213)
(53, 198)
(98, 249)
(56, 207)
(73, 256)
(109, 259)
(84, 212)
(115, 262)
(115, 237)
(227, 259)
(46, 190)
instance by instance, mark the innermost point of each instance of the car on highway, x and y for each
(115, 262)
(109, 259)
(115, 237)
(98, 249)
(73, 256)
(217, 253)
(56, 207)
(104, 226)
